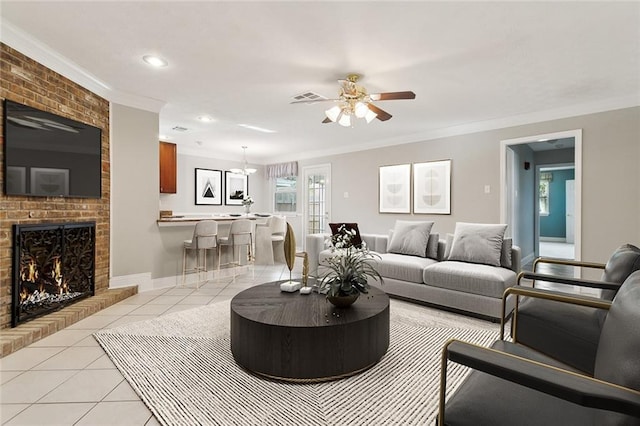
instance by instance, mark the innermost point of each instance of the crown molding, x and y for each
(35, 49)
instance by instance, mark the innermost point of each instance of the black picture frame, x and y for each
(208, 187)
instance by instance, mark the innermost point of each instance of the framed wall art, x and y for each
(394, 189)
(208, 187)
(432, 187)
(237, 187)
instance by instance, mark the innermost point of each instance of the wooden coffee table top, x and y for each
(266, 304)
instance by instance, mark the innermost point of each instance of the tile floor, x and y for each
(67, 379)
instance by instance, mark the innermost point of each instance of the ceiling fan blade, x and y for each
(382, 115)
(327, 120)
(390, 96)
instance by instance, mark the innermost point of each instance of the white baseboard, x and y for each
(146, 283)
(143, 281)
(553, 239)
(528, 258)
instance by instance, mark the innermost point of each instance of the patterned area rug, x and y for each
(182, 368)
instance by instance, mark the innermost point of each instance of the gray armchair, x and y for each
(512, 384)
(545, 325)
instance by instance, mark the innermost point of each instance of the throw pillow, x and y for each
(477, 243)
(432, 246)
(356, 240)
(410, 237)
(505, 255)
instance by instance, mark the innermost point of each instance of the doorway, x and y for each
(556, 210)
(317, 199)
(520, 184)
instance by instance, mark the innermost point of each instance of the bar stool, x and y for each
(205, 237)
(240, 234)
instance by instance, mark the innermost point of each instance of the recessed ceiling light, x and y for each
(205, 118)
(155, 61)
(256, 128)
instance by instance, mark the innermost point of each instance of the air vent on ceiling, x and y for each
(179, 129)
(308, 96)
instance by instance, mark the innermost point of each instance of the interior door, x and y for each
(317, 199)
(570, 200)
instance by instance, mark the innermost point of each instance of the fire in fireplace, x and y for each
(54, 265)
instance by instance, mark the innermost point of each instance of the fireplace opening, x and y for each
(53, 266)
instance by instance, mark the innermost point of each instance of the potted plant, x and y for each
(349, 269)
(247, 202)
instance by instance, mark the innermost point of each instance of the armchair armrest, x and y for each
(573, 387)
(592, 302)
(567, 262)
(568, 280)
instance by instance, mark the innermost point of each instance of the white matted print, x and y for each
(432, 187)
(49, 182)
(208, 187)
(237, 187)
(394, 189)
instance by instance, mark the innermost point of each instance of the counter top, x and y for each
(189, 219)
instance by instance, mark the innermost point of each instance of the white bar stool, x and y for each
(205, 237)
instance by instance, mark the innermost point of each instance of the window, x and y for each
(543, 193)
(285, 194)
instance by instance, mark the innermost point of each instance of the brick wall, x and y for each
(25, 81)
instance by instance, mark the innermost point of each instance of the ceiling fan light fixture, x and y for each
(361, 109)
(370, 116)
(345, 120)
(333, 113)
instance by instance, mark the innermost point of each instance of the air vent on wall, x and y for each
(308, 96)
(179, 129)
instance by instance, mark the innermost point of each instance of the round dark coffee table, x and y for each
(295, 337)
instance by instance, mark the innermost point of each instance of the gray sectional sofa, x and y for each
(463, 286)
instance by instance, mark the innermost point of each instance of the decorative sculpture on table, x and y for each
(290, 258)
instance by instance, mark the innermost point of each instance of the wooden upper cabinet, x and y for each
(168, 168)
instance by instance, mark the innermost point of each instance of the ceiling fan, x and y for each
(354, 101)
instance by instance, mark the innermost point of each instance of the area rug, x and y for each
(181, 366)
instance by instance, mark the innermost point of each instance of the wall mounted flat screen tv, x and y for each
(50, 156)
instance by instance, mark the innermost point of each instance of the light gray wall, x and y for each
(134, 189)
(183, 201)
(610, 156)
(611, 153)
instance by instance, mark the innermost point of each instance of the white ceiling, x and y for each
(472, 65)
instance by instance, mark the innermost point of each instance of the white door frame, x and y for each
(306, 171)
(506, 213)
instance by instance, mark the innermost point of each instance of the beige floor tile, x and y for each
(150, 310)
(179, 291)
(64, 337)
(138, 299)
(119, 308)
(122, 392)
(178, 308)
(5, 376)
(152, 422)
(88, 341)
(8, 411)
(126, 413)
(27, 358)
(102, 363)
(30, 386)
(73, 358)
(51, 414)
(94, 322)
(166, 300)
(86, 386)
(197, 299)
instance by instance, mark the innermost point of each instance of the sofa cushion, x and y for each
(356, 240)
(402, 267)
(471, 278)
(477, 243)
(410, 237)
